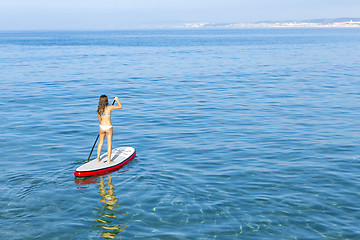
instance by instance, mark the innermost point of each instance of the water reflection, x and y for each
(108, 216)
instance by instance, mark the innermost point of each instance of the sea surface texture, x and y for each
(240, 134)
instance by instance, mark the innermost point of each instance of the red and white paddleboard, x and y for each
(120, 156)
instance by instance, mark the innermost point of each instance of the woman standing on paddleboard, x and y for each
(104, 115)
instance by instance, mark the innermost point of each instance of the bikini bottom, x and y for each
(104, 127)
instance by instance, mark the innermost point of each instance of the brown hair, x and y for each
(103, 102)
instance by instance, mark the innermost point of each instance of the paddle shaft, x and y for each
(96, 141)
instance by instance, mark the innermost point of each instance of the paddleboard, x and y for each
(120, 156)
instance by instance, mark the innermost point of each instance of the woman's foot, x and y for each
(110, 162)
(98, 159)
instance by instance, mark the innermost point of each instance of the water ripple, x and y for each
(240, 134)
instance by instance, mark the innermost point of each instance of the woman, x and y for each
(104, 115)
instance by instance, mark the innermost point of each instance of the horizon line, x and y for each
(343, 22)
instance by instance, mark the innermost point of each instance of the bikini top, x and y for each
(105, 114)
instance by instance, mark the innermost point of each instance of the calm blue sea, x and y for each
(240, 134)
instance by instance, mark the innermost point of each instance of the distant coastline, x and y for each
(315, 23)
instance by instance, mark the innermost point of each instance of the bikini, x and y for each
(105, 127)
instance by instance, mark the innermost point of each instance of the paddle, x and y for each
(95, 141)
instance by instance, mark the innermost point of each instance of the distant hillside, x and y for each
(321, 21)
(314, 23)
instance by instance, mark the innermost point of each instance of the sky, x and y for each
(132, 14)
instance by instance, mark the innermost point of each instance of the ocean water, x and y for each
(240, 134)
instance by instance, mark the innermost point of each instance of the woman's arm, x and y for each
(119, 106)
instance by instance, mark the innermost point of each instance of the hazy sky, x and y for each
(120, 14)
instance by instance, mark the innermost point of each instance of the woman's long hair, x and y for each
(103, 102)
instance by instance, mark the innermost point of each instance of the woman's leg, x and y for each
(101, 143)
(109, 135)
